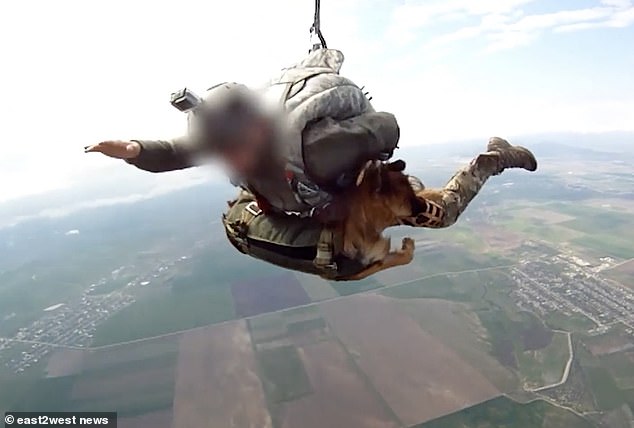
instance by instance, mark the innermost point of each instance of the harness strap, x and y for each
(325, 252)
(239, 229)
(250, 212)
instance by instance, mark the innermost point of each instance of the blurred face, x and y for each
(247, 153)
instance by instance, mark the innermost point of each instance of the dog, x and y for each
(384, 196)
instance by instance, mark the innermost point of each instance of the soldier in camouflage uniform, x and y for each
(294, 146)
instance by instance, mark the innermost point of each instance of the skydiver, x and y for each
(296, 144)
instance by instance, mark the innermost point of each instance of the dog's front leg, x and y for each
(395, 258)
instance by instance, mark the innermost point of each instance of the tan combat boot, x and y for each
(508, 156)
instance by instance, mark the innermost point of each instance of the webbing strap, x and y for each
(239, 229)
(250, 212)
(325, 251)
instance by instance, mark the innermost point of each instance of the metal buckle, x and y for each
(253, 208)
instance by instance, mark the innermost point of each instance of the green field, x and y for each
(626, 278)
(133, 352)
(545, 366)
(601, 231)
(505, 413)
(607, 245)
(165, 313)
(155, 392)
(459, 328)
(511, 337)
(574, 322)
(14, 387)
(282, 374)
(605, 231)
(439, 287)
(268, 328)
(316, 287)
(195, 297)
(463, 234)
(534, 228)
(606, 393)
(451, 258)
(109, 388)
(621, 367)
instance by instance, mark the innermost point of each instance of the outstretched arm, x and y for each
(151, 155)
(165, 155)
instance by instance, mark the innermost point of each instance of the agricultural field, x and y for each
(623, 273)
(541, 367)
(459, 328)
(341, 395)
(167, 312)
(307, 374)
(607, 363)
(599, 230)
(317, 288)
(513, 349)
(424, 378)
(503, 412)
(133, 387)
(216, 379)
(267, 294)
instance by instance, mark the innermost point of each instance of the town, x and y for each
(72, 324)
(568, 284)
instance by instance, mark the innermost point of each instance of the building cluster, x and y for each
(72, 324)
(568, 284)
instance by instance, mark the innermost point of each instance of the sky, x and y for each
(77, 72)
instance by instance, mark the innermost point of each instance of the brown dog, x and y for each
(383, 197)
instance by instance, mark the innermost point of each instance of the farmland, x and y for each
(422, 369)
(485, 312)
(216, 379)
(503, 412)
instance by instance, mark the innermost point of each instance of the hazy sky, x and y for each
(77, 72)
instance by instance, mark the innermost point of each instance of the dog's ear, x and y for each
(396, 166)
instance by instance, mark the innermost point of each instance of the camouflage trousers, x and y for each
(445, 205)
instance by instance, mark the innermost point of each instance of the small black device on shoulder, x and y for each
(185, 100)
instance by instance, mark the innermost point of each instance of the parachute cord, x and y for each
(315, 29)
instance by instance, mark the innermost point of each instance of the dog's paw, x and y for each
(408, 245)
